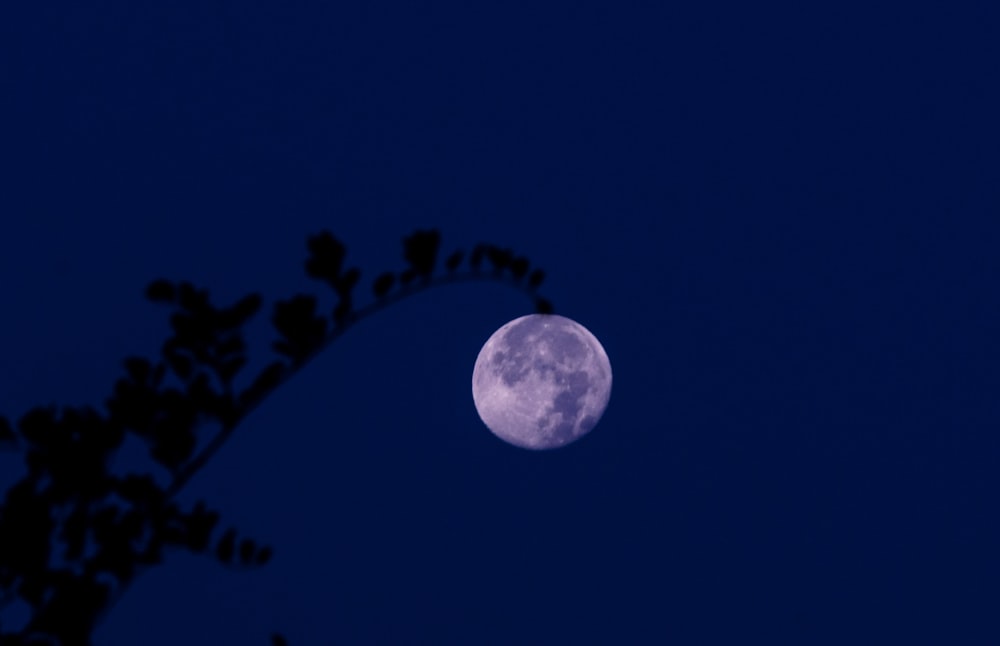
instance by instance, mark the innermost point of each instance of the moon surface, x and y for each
(541, 381)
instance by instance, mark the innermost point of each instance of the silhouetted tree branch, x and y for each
(73, 535)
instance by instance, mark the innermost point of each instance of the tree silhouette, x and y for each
(73, 535)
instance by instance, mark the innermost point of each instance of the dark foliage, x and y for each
(420, 251)
(73, 535)
(161, 291)
(383, 284)
(302, 330)
(454, 260)
(326, 263)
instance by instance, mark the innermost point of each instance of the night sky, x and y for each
(781, 222)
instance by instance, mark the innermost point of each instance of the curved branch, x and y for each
(202, 458)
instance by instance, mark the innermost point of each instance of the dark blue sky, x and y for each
(782, 224)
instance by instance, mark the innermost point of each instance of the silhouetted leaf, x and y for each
(194, 333)
(277, 639)
(543, 306)
(383, 284)
(501, 258)
(192, 299)
(302, 329)
(536, 278)
(161, 291)
(263, 555)
(226, 546)
(477, 255)
(420, 251)
(326, 257)
(519, 267)
(247, 549)
(454, 260)
(200, 523)
(132, 406)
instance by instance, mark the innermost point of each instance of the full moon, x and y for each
(541, 381)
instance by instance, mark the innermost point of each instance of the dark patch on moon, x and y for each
(566, 346)
(512, 362)
(567, 405)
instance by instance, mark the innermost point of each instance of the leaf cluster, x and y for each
(74, 534)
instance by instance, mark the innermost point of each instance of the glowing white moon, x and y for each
(541, 381)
